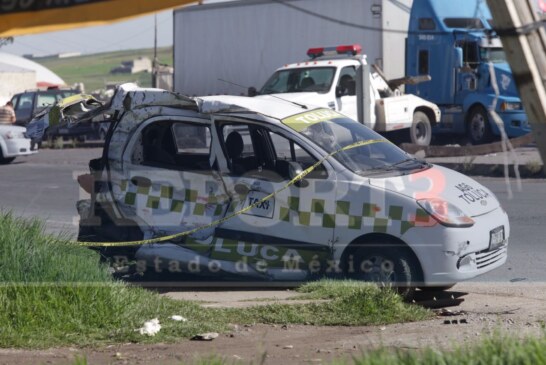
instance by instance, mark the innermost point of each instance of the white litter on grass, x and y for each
(150, 328)
(178, 318)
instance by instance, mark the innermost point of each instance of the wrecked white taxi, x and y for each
(270, 190)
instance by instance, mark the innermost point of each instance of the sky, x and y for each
(131, 34)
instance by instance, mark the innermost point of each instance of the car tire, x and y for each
(421, 129)
(478, 128)
(5, 160)
(387, 265)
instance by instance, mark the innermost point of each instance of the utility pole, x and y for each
(524, 41)
(154, 62)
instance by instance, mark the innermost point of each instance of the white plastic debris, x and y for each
(209, 336)
(150, 328)
(179, 318)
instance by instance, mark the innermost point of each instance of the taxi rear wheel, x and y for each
(390, 267)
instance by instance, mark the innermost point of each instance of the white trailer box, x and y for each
(244, 41)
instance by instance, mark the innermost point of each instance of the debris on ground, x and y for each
(179, 318)
(150, 328)
(209, 336)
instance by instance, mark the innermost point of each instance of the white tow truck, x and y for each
(337, 77)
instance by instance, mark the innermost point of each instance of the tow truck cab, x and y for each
(338, 77)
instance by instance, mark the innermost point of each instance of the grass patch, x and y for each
(351, 303)
(94, 70)
(494, 350)
(54, 293)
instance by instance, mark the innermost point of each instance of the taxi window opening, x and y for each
(333, 135)
(257, 152)
(176, 145)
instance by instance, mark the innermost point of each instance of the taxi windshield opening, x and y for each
(314, 79)
(337, 133)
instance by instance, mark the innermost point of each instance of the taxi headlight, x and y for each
(445, 213)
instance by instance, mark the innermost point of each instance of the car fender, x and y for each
(3, 146)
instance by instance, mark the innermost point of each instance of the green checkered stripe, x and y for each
(346, 214)
(166, 198)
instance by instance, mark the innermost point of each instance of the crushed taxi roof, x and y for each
(130, 97)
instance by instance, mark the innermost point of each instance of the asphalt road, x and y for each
(44, 185)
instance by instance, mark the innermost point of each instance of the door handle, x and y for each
(141, 181)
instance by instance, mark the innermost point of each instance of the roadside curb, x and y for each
(483, 160)
(495, 170)
(459, 151)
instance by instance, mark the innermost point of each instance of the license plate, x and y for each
(496, 238)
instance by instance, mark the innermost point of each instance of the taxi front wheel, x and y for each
(390, 266)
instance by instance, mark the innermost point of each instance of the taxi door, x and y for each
(287, 236)
(169, 185)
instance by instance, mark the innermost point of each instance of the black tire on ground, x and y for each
(421, 129)
(5, 160)
(436, 288)
(478, 128)
(387, 265)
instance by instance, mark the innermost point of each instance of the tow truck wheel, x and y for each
(421, 130)
(478, 128)
(5, 160)
(388, 266)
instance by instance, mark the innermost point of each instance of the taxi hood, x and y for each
(467, 194)
(311, 98)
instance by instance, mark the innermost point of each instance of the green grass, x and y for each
(351, 303)
(94, 70)
(54, 293)
(493, 350)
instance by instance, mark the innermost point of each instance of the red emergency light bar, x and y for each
(351, 49)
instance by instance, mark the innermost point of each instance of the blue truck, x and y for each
(454, 42)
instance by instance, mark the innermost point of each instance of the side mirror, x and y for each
(339, 92)
(294, 169)
(252, 91)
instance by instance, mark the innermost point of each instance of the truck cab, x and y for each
(454, 42)
(332, 77)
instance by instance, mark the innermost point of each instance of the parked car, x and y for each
(264, 189)
(59, 120)
(31, 102)
(13, 143)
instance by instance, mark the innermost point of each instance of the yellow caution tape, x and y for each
(297, 178)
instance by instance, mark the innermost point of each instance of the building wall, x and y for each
(13, 82)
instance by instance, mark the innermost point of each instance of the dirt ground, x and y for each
(512, 308)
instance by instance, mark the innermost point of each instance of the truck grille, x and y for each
(486, 258)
